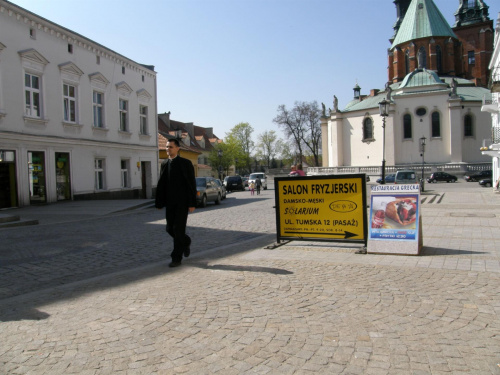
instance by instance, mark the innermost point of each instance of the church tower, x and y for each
(474, 29)
(424, 39)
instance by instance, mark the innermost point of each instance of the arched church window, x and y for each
(436, 125)
(422, 58)
(407, 131)
(407, 61)
(468, 126)
(367, 129)
(439, 59)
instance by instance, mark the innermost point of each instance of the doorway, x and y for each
(8, 181)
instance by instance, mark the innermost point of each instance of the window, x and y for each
(407, 61)
(422, 58)
(407, 126)
(69, 103)
(123, 104)
(123, 70)
(143, 78)
(125, 173)
(32, 33)
(70, 48)
(143, 117)
(367, 129)
(98, 107)
(32, 95)
(471, 57)
(439, 59)
(98, 60)
(436, 125)
(468, 126)
(99, 174)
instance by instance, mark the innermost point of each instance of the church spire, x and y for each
(470, 12)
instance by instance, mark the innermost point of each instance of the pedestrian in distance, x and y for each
(252, 188)
(300, 172)
(176, 191)
(293, 172)
(258, 184)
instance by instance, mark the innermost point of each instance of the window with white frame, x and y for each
(123, 104)
(69, 103)
(99, 174)
(32, 95)
(125, 166)
(143, 118)
(98, 107)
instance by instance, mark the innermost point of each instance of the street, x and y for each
(96, 296)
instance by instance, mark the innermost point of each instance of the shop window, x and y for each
(36, 171)
(125, 172)
(99, 174)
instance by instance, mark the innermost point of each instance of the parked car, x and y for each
(478, 176)
(245, 181)
(406, 176)
(234, 183)
(441, 176)
(389, 178)
(262, 176)
(207, 190)
(222, 188)
(486, 182)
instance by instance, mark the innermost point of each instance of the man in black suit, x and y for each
(176, 190)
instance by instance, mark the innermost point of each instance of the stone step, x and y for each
(8, 221)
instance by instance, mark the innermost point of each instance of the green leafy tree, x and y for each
(267, 146)
(224, 161)
(241, 144)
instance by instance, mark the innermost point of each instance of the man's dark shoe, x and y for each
(174, 264)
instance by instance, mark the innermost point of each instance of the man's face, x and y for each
(172, 149)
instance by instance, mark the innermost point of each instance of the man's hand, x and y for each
(191, 209)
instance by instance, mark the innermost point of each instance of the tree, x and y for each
(240, 140)
(268, 146)
(302, 124)
(225, 161)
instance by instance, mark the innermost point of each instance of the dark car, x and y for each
(389, 178)
(478, 176)
(234, 183)
(441, 176)
(486, 182)
(207, 190)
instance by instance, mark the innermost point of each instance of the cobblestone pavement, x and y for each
(96, 297)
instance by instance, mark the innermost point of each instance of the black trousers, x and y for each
(176, 215)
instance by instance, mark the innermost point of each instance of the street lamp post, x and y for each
(422, 149)
(384, 112)
(219, 154)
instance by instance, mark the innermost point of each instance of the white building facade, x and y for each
(492, 105)
(77, 120)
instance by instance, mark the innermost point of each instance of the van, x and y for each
(406, 176)
(262, 176)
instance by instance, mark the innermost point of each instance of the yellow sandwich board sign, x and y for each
(321, 208)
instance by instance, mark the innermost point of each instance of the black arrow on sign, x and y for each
(345, 234)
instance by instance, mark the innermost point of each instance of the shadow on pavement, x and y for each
(436, 251)
(229, 267)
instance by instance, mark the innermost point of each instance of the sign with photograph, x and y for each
(395, 225)
(321, 208)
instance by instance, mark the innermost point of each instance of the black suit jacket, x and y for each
(180, 187)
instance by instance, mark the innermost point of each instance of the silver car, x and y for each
(207, 190)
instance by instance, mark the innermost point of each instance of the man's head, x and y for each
(172, 148)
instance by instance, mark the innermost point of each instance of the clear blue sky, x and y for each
(222, 62)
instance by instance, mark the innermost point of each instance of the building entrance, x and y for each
(8, 184)
(63, 185)
(36, 170)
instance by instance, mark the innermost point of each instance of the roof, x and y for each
(422, 20)
(420, 81)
